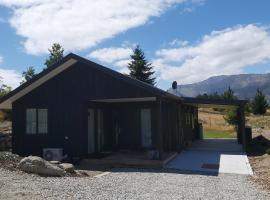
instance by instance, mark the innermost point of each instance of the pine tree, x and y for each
(259, 104)
(56, 54)
(140, 68)
(28, 74)
(229, 94)
(230, 115)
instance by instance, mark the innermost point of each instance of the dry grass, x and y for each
(213, 120)
(259, 122)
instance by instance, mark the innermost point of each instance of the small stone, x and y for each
(67, 167)
(55, 162)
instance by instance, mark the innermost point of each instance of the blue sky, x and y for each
(186, 40)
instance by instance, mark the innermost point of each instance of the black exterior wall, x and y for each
(66, 97)
(70, 94)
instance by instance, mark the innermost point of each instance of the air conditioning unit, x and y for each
(53, 154)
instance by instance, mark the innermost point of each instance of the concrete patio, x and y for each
(213, 156)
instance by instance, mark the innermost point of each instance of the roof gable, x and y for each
(65, 63)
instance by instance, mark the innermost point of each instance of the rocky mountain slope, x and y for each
(244, 85)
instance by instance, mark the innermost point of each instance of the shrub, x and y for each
(268, 151)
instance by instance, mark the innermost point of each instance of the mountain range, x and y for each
(243, 85)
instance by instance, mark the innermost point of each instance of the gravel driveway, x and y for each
(128, 184)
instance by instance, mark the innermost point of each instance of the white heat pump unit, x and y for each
(53, 154)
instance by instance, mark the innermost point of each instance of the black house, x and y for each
(85, 108)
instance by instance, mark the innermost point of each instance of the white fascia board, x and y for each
(7, 104)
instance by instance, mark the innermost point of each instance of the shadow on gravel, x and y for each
(173, 171)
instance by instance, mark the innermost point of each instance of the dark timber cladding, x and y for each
(77, 95)
(85, 109)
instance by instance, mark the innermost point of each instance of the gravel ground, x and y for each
(128, 184)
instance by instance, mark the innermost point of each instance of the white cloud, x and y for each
(111, 55)
(221, 52)
(122, 63)
(191, 5)
(117, 57)
(177, 42)
(10, 77)
(78, 24)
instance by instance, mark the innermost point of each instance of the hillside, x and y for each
(244, 85)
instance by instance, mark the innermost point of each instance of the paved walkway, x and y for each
(215, 156)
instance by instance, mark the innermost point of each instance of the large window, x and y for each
(42, 121)
(36, 121)
(31, 123)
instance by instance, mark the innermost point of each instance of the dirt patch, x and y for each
(261, 169)
(260, 162)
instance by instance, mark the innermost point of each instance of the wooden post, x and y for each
(242, 126)
(159, 127)
(239, 134)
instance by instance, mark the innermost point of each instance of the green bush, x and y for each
(268, 151)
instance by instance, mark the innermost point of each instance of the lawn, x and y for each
(218, 134)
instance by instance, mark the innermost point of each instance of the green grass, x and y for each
(217, 134)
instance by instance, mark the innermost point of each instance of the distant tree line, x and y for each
(258, 105)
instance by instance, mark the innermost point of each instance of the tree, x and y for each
(56, 54)
(230, 115)
(28, 74)
(229, 94)
(259, 103)
(140, 68)
(4, 89)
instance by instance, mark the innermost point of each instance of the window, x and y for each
(36, 121)
(31, 123)
(42, 121)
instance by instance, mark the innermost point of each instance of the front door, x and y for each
(122, 126)
(146, 127)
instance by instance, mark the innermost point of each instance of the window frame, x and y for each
(36, 122)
